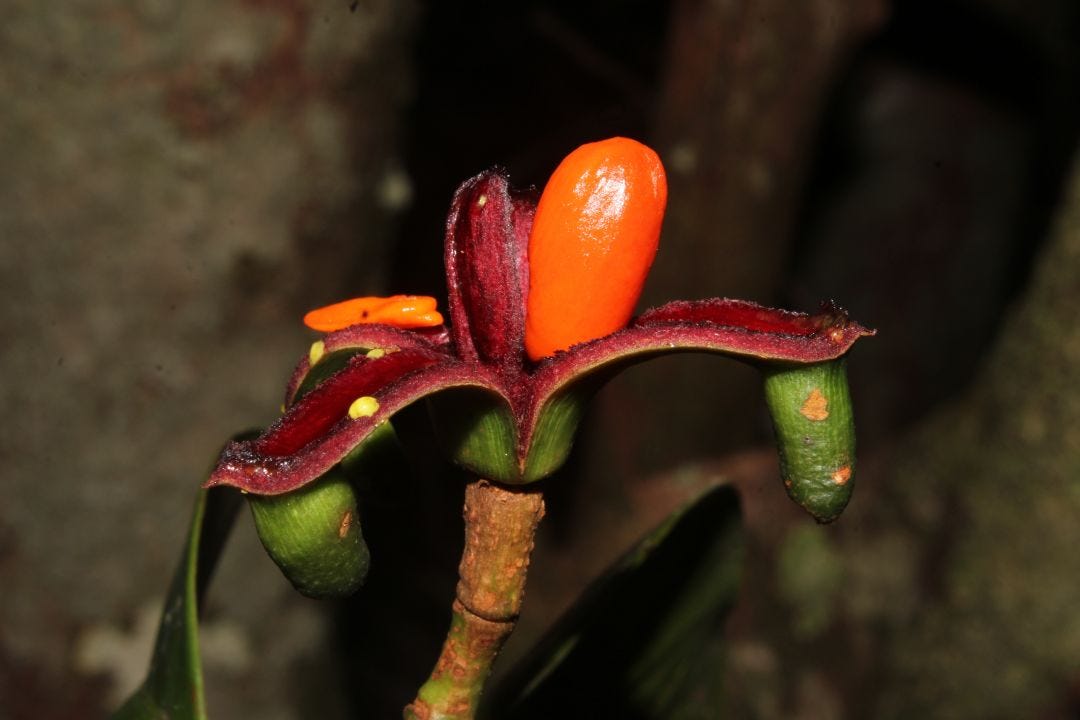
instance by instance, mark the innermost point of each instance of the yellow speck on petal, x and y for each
(375, 354)
(842, 475)
(365, 406)
(481, 201)
(816, 406)
(318, 348)
(282, 408)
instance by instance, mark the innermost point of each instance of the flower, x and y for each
(515, 278)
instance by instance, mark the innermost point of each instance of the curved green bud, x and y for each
(815, 434)
(313, 534)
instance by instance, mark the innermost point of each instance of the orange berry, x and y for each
(402, 311)
(593, 240)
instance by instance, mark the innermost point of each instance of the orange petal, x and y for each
(401, 311)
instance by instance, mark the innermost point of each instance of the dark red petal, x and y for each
(824, 332)
(370, 337)
(486, 243)
(733, 313)
(317, 433)
(521, 217)
(739, 329)
(329, 402)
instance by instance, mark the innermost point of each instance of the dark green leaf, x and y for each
(630, 648)
(173, 689)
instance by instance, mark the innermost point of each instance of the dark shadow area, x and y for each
(515, 86)
(938, 168)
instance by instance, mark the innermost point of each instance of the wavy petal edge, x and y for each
(244, 465)
(739, 329)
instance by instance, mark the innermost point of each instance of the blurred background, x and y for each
(182, 180)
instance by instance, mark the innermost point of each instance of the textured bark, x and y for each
(500, 524)
(180, 181)
(741, 100)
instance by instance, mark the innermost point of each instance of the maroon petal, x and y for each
(761, 332)
(317, 432)
(737, 328)
(328, 403)
(365, 337)
(487, 235)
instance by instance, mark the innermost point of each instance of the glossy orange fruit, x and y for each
(593, 240)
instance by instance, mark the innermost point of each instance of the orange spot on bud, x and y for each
(592, 243)
(816, 407)
(841, 476)
(401, 311)
(343, 527)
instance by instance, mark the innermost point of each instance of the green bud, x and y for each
(815, 434)
(313, 534)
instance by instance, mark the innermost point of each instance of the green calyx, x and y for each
(815, 434)
(478, 431)
(313, 534)
(555, 429)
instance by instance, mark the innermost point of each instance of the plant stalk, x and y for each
(500, 523)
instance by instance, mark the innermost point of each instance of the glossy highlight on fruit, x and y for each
(592, 243)
(402, 311)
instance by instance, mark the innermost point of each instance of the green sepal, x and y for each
(635, 645)
(313, 534)
(815, 434)
(557, 424)
(174, 685)
(476, 430)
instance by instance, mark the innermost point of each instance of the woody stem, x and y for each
(500, 523)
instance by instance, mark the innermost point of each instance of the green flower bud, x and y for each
(815, 434)
(313, 534)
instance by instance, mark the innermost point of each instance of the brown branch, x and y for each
(500, 523)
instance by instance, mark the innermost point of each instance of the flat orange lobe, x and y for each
(593, 240)
(401, 311)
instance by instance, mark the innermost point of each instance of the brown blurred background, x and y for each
(180, 181)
